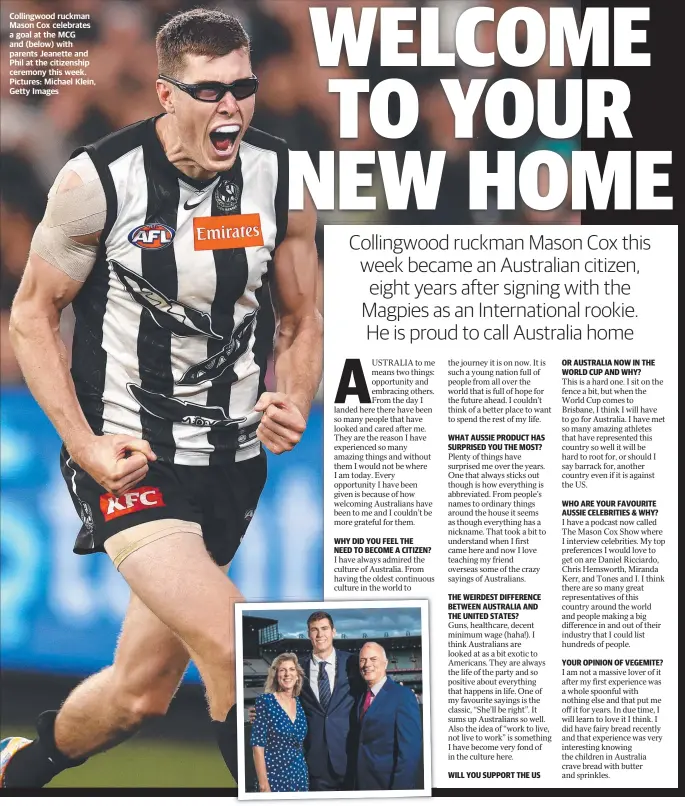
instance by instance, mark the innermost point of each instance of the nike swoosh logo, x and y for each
(188, 206)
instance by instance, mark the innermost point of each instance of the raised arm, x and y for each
(298, 348)
(58, 266)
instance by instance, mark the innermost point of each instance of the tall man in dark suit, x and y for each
(389, 754)
(331, 689)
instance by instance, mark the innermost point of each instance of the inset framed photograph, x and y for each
(335, 699)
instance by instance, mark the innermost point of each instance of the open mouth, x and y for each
(223, 138)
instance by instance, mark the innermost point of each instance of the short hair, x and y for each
(318, 616)
(271, 685)
(380, 646)
(200, 32)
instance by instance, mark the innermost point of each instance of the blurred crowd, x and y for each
(39, 133)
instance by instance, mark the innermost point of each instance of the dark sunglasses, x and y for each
(213, 91)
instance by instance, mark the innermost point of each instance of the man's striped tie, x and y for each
(324, 686)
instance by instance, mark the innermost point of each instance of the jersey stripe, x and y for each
(264, 332)
(231, 277)
(196, 281)
(121, 322)
(154, 342)
(260, 172)
(88, 357)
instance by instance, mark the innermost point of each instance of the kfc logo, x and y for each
(132, 501)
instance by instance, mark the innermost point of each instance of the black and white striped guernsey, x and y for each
(164, 341)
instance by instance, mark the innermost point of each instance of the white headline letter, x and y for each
(504, 179)
(351, 180)
(465, 36)
(462, 105)
(598, 111)
(397, 186)
(585, 175)
(378, 108)
(392, 36)
(563, 28)
(349, 89)
(321, 188)
(536, 36)
(329, 43)
(625, 37)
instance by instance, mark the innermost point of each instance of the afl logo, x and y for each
(151, 236)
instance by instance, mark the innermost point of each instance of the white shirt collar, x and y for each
(379, 685)
(329, 659)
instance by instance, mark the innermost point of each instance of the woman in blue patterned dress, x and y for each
(279, 729)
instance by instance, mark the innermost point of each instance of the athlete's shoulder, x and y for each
(82, 165)
(265, 141)
(117, 143)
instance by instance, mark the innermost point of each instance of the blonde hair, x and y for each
(271, 685)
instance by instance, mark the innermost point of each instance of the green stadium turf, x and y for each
(146, 762)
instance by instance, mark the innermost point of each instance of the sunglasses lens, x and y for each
(207, 93)
(240, 90)
(244, 88)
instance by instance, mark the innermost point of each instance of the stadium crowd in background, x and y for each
(39, 133)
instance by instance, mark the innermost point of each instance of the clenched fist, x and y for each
(282, 422)
(117, 462)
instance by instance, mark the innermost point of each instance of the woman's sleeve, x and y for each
(259, 726)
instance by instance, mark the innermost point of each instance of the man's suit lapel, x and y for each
(307, 686)
(380, 699)
(377, 704)
(340, 678)
(305, 663)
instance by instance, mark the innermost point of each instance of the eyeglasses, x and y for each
(212, 92)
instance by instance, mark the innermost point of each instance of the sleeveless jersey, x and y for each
(165, 340)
